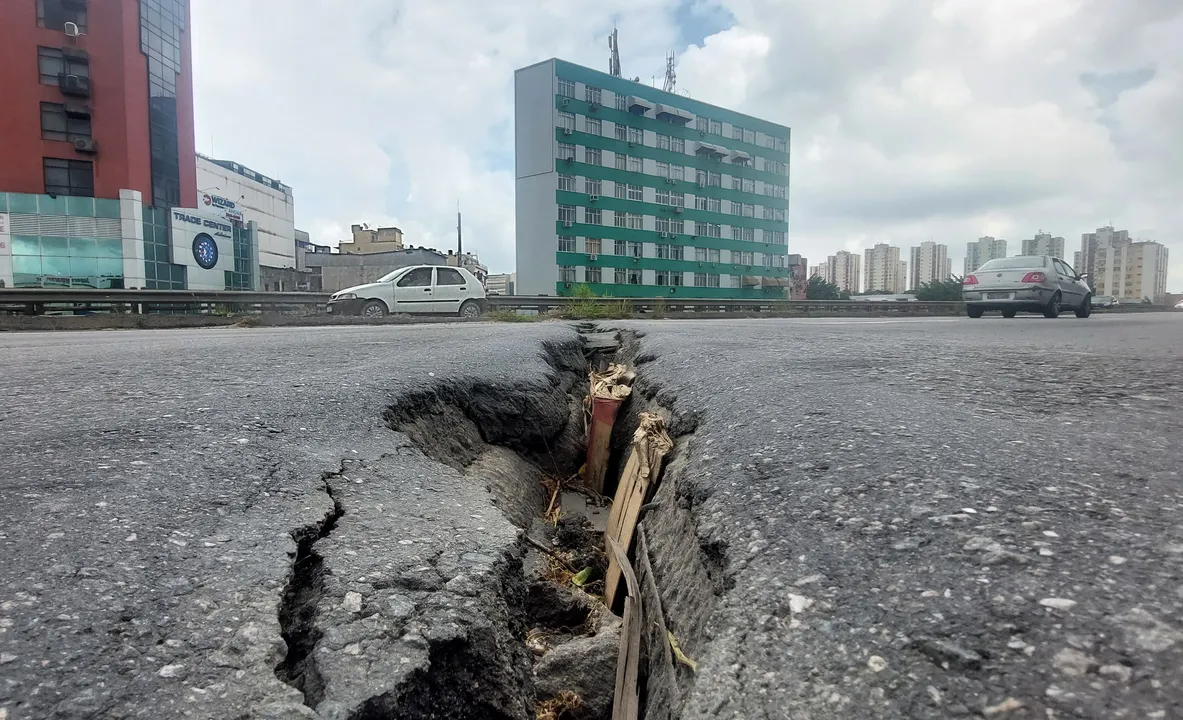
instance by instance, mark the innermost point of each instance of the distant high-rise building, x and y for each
(1078, 262)
(1090, 243)
(842, 269)
(1134, 270)
(978, 252)
(930, 261)
(883, 271)
(1044, 244)
(799, 275)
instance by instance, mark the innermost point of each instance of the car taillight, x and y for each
(969, 280)
(1034, 277)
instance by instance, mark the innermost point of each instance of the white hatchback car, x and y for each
(419, 289)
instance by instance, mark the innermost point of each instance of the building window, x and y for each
(661, 197)
(677, 199)
(749, 210)
(749, 235)
(635, 164)
(767, 259)
(714, 205)
(634, 277)
(621, 102)
(736, 183)
(713, 280)
(745, 258)
(621, 132)
(162, 27)
(620, 247)
(663, 142)
(636, 135)
(636, 221)
(636, 249)
(566, 151)
(768, 214)
(700, 202)
(663, 253)
(621, 191)
(661, 224)
(595, 127)
(781, 145)
(661, 277)
(621, 217)
(57, 124)
(51, 63)
(700, 229)
(700, 254)
(621, 161)
(567, 273)
(592, 94)
(677, 227)
(69, 177)
(749, 186)
(593, 275)
(567, 122)
(714, 179)
(592, 246)
(636, 192)
(593, 187)
(702, 124)
(566, 243)
(700, 177)
(54, 14)
(778, 237)
(566, 88)
(779, 215)
(593, 156)
(620, 276)
(736, 132)
(678, 145)
(663, 169)
(712, 255)
(593, 216)
(716, 127)
(676, 278)
(700, 279)
(567, 183)
(749, 136)
(678, 172)
(567, 214)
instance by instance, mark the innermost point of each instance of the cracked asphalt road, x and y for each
(918, 518)
(150, 481)
(934, 518)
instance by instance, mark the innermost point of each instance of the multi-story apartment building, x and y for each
(1090, 243)
(978, 252)
(1044, 244)
(885, 272)
(930, 261)
(841, 269)
(636, 192)
(1133, 270)
(98, 178)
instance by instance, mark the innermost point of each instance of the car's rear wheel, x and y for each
(973, 312)
(470, 310)
(1086, 307)
(1052, 309)
(1009, 313)
(374, 309)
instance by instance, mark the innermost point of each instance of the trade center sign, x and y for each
(204, 244)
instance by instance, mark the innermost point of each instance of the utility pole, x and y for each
(459, 240)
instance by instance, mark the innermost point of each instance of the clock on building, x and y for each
(205, 251)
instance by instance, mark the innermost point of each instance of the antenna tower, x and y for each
(671, 77)
(614, 58)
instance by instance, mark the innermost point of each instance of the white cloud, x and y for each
(912, 119)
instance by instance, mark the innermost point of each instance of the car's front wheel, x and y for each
(1052, 309)
(374, 309)
(1009, 313)
(470, 310)
(973, 312)
(1086, 307)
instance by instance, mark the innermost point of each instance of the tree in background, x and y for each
(819, 289)
(940, 290)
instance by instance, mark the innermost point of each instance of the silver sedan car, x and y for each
(1032, 283)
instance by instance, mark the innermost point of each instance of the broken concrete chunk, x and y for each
(585, 666)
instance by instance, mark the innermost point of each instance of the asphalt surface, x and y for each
(915, 518)
(151, 482)
(932, 518)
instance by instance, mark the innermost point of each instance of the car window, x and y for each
(1067, 269)
(448, 276)
(419, 277)
(1015, 263)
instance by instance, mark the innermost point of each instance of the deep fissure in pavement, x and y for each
(301, 597)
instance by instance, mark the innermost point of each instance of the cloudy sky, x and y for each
(912, 119)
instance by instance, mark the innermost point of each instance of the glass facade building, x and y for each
(636, 192)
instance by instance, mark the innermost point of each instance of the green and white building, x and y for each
(636, 192)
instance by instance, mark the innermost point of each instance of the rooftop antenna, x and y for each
(459, 240)
(671, 76)
(614, 59)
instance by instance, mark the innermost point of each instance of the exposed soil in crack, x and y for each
(297, 608)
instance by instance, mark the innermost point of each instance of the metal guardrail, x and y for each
(543, 303)
(34, 301)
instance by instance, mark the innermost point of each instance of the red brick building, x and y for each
(97, 97)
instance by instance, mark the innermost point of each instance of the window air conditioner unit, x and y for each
(74, 85)
(566, 223)
(593, 198)
(678, 210)
(86, 145)
(595, 107)
(566, 102)
(662, 234)
(71, 30)
(567, 131)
